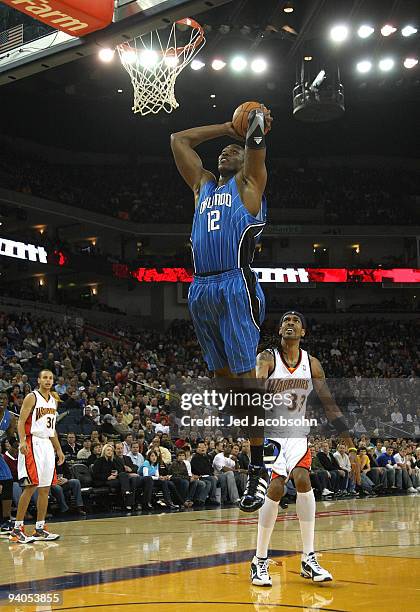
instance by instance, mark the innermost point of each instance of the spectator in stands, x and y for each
(239, 473)
(152, 467)
(161, 450)
(85, 452)
(149, 431)
(136, 456)
(343, 461)
(71, 448)
(106, 471)
(138, 484)
(400, 460)
(244, 456)
(181, 479)
(224, 470)
(362, 485)
(387, 460)
(67, 485)
(329, 463)
(378, 475)
(96, 452)
(201, 466)
(320, 478)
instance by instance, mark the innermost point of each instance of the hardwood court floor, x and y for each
(199, 561)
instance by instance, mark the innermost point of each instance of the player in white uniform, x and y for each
(289, 369)
(36, 460)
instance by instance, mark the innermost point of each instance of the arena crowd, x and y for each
(141, 193)
(120, 422)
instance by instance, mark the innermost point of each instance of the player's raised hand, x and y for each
(231, 132)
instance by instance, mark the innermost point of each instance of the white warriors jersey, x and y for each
(295, 386)
(41, 422)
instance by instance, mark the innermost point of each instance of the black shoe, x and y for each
(255, 490)
(283, 503)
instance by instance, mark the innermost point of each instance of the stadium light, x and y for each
(408, 31)
(388, 29)
(129, 56)
(171, 61)
(148, 58)
(197, 64)
(106, 55)
(218, 64)
(365, 31)
(339, 33)
(386, 64)
(410, 62)
(364, 66)
(238, 63)
(259, 65)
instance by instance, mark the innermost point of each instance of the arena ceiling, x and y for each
(78, 105)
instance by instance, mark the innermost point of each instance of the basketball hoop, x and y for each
(154, 66)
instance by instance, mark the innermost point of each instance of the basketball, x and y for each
(240, 117)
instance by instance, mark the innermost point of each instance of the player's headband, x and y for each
(297, 314)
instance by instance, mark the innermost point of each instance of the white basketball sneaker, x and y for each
(310, 568)
(259, 572)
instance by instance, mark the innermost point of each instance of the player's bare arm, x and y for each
(187, 160)
(252, 178)
(265, 364)
(25, 411)
(57, 447)
(332, 411)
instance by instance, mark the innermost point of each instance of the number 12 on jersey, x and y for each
(213, 218)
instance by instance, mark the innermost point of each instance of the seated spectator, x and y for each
(70, 487)
(224, 470)
(149, 431)
(329, 463)
(96, 452)
(320, 478)
(138, 484)
(107, 472)
(128, 440)
(239, 473)
(387, 460)
(153, 466)
(363, 485)
(135, 455)
(343, 461)
(244, 456)
(85, 452)
(120, 427)
(378, 475)
(70, 448)
(400, 459)
(201, 466)
(161, 450)
(181, 479)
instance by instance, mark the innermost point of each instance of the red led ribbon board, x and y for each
(281, 275)
(75, 17)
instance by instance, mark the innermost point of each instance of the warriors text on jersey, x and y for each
(41, 422)
(224, 232)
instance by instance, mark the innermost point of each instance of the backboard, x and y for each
(131, 18)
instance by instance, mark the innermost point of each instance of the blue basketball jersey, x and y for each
(224, 233)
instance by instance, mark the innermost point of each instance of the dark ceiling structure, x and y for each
(77, 106)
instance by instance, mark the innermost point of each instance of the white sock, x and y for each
(40, 525)
(305, 509)
(267, 516)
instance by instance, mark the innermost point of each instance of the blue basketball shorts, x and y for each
(227, 310)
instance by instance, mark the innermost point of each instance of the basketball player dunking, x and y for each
(225, 300)
(36, 460)
(287, 366)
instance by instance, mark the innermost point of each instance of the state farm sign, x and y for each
(20, 250)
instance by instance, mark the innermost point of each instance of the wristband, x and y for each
(255, 135)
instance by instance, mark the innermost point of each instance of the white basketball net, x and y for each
(154, 66)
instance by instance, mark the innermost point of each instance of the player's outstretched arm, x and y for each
(254, 173)
(332, 411)
(187, 161)
(265, 364)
